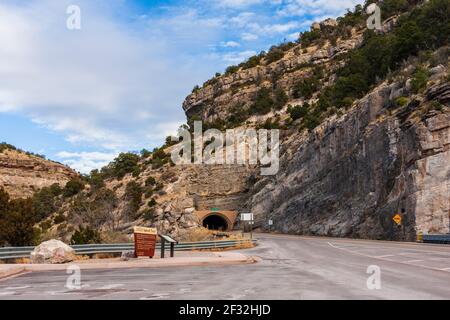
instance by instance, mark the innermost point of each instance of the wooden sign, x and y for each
(144, 242)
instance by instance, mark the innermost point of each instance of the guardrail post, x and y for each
(163, 245)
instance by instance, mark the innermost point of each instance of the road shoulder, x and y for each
(192, 259)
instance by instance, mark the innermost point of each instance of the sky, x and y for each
(117, 84)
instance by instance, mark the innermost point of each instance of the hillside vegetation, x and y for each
(325, 77)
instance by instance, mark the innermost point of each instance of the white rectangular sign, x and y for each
(270, 222)
(246, 216)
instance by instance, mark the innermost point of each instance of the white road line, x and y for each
(111, 286)
(381, 258)
(16, 288)
(385, 256)
(412, 261)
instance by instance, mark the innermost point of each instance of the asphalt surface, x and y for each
(290, 268)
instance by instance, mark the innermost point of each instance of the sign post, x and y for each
(270, 225)
(144, 242)
(249, 218)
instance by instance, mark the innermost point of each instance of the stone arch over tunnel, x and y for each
(217, 220)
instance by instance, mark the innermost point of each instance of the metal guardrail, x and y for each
(24, 252)
(432, 238)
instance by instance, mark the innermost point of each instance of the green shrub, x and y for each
(145, 153)
(133, 193)
(17, 220)
(419, 80)
(124, 164)
(401, 101)
(436, 105)
(159, 158)
(6, 146)
(149, 215)
(305, 88)
(73, 187)
(196, 88)
(56, 189)
(150, 181)
(281, 98)
(136, 172)
(308, 37)
(231, 69)
(85, 236)
(148, 192)
(298, 112)
(270, 124)
(96, 180)
(263, 102)
(152, 203)
(274, 54)
(59, 218)
(44, 203)
(252, 62)
(311, 121)
(424, 28)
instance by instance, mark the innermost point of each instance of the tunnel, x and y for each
(215, 222)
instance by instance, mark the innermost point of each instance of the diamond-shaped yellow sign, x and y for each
(397, 219)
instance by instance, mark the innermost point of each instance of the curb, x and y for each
(12, 273)
(218, 260)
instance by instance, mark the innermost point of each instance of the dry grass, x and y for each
(115, 237)
(241, 246)
(22, 261)
(105, 255)
(198, 234)
(82, 257)
(203, 234)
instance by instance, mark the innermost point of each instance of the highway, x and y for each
(290, 267)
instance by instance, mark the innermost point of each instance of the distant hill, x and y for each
(23, 173)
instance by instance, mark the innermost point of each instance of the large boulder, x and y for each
(52, 251)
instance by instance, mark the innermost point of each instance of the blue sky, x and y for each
(82, 96)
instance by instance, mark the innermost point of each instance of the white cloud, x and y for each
(230, 44)
(237, 3)
(108, 84)
(326, 8)
(85, 162)
(278, 28)
(237, 57)
(293, 36)
(246, 36)
(242, 19)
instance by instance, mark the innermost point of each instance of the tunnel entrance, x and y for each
(215, 222)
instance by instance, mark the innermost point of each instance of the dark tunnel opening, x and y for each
(215, 222)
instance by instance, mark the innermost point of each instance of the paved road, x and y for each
(291, 268)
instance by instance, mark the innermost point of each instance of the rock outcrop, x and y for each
(354, 173)
(216, 99)
(360, 167)
(22, 174)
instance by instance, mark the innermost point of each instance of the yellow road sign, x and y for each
(397, 219)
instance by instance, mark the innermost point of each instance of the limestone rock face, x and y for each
(21, 174)
(53, 252)
(354, 173)
(216, 99)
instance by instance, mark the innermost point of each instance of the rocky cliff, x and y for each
(351, 175)
(23, 174)
(385, 154)
(362, 140)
